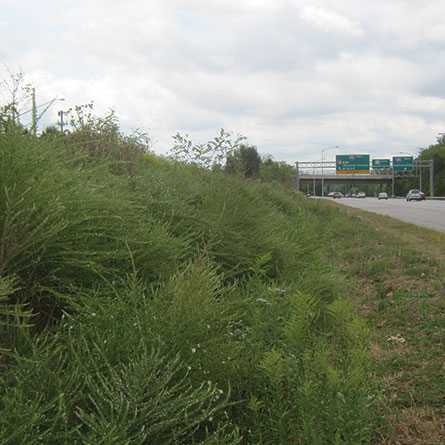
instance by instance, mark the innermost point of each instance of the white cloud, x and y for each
(291, 75)
(436, 33)
(416, 104)
(330, 21)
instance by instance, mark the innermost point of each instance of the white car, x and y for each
(414, 195)
(361, 195)
(383, 195)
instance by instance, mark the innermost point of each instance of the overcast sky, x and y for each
(293, 76)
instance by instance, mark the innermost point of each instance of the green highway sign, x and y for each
(352, 164)
(381, 164)
(402, 163)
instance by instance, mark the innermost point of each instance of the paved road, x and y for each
(427, 213)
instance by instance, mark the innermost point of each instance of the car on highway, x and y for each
(335, 195)
(383, 195)
(361, 195)
(414, 195)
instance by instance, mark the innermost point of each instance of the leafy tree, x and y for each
(436, 152)
(244, 160)
(99, 138)
(277, 171)
(51, 132)
(14, 96)
(208, 155)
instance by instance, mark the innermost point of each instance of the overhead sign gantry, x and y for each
(356, 168)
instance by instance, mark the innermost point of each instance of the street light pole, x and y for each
(34, 113)
(322, 171)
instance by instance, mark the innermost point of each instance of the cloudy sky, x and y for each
(293, 76)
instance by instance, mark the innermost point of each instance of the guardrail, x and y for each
(428, 198)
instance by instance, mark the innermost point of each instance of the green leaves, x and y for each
(165, 301)
(212, 153)
(148, 400)
(25, 225)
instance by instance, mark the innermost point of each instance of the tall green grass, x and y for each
(169, 305)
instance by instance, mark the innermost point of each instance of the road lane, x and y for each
(429, 213)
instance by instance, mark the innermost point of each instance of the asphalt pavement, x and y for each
(429, 213)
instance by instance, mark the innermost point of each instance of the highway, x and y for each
(429, 213)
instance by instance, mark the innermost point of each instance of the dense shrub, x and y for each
(164, 303)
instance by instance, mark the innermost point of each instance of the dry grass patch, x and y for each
(417, 426)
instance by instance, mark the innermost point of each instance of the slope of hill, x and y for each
(145, 301)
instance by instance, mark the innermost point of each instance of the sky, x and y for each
(293, 76)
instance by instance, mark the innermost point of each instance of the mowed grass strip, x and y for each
(397, 276)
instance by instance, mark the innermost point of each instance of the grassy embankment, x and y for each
(149, 302)
(396, 272)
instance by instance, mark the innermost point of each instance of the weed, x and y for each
(172, 304)
(403, 300)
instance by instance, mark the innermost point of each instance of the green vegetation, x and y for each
(395, 271)
(153, 301)
(436, 152)
(199, 300)
(421, 176)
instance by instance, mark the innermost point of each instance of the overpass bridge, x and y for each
(324, 172)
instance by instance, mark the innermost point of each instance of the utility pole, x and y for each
(60, 113)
